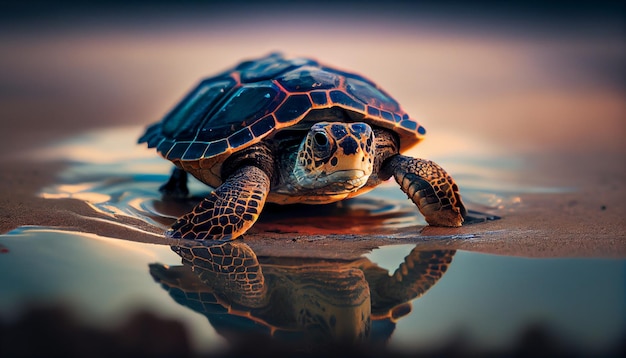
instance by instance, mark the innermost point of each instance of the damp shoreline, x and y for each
(579, 223)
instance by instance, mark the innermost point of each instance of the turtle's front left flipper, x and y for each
(176, 186)
(229, 211)
(429, 186)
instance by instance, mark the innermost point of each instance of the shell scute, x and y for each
(319, 97)
(293, 108)
(246, 105)
(308, 78)
(263, 125)
(269, 67)
(373, 111)
(408, 124)
(216, 148)
(388, 116)
(371, 95)
(195, 150)
(177, 150)
(240, 138)
(183, 122)
(259, 98)
(341, 98)
(165, 145)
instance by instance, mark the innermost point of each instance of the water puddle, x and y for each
(403, 297)
(102, 281)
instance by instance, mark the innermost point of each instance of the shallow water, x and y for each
(483, 302)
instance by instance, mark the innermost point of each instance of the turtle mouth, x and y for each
(342, 181)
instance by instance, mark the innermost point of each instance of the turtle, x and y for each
(291, 130)
(309, 300)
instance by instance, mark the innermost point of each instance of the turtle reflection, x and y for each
(304, 299)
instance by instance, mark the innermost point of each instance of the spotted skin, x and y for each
(429, 186)
(335, 148)
(227, 212)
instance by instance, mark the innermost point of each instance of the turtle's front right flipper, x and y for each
(429, 186)
(229, 211)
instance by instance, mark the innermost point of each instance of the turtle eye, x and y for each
(321, 145)
(320, 139)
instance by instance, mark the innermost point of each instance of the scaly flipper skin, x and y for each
(229, 211)
(416, 275)
(230, 268)
(429, 186)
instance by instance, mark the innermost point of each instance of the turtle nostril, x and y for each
(320, 139)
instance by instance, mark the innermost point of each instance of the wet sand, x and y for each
(580, 224)
(544, 101)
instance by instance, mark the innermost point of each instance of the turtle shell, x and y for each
(258, 98)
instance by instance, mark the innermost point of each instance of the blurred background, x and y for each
(526, 76)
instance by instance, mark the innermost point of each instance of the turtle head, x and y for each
(335, 157)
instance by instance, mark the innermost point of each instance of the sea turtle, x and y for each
(297, 299)
(292, 131)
